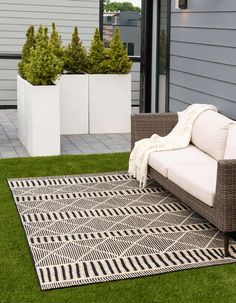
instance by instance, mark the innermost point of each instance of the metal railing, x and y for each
(18, 56)
(135, 58)
(10, 56)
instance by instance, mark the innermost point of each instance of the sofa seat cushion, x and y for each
(163, 160)
(230, 150)
(209, 133)
(197, 180)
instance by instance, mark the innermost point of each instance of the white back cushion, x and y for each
(209, 133)
(230, 149)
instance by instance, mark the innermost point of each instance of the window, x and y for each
(130, 49)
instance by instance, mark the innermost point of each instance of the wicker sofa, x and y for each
(203, 176)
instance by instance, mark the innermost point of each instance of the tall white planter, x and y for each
(20, 109)
(109, 103)
(42, 112)
(74, 104)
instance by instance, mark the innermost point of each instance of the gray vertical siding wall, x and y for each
(203, 55)
(17, 15)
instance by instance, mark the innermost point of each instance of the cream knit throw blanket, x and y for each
(178, 138)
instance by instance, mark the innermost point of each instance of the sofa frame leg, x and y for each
(226, 244)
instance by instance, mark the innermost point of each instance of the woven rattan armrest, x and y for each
(145, 125)
(226, 193)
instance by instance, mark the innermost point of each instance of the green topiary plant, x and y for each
(75, 55)
(57, 43)
(118, 61)
(25, 54)
(43, 67)
(97, 56)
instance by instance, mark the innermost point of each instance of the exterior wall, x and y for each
(128, 34)
(15, 18)
(131, 34)
(203, 55)
(130, 28)
(8, 72)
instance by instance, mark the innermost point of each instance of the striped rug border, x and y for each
(68, 179)
(132, 266)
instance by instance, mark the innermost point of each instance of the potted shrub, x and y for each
(73, 86)
(109, 86)
(42, 98)
(57, 47)
(30, 43)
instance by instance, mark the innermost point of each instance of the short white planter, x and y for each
(74, 104)
(20, 109)
(109, 103)
(42, 112)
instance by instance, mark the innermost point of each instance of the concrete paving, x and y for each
(11, 147)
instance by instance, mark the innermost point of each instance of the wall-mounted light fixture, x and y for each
(183, 4)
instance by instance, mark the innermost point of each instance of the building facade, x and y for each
(201, 55)
(130, 29)
(17, 16)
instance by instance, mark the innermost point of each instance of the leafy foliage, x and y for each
(120, 6)
(118, 62)
(25, 55)
(112, 60)
(75, 57)
(43, 59)
(44, 66)
(98, 55)
(57, 43)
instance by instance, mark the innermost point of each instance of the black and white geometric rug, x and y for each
(98, 228)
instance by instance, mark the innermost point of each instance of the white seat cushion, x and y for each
(209, 133)
(230, 150)
(161, 161)
(198, 180)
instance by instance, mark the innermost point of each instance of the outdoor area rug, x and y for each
(98, 228)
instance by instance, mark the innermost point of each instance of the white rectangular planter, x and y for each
(74, 104)
(42, 112)
(20, 109)
(109, 103)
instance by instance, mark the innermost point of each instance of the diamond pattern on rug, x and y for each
(98, 228)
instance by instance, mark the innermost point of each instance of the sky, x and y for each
(135, 2)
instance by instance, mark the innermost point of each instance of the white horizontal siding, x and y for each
(17, 15)
(8, 72)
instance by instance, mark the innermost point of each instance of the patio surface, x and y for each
(11, 147)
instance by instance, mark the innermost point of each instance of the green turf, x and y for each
(18, 281)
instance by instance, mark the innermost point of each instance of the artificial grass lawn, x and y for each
(18, 281)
